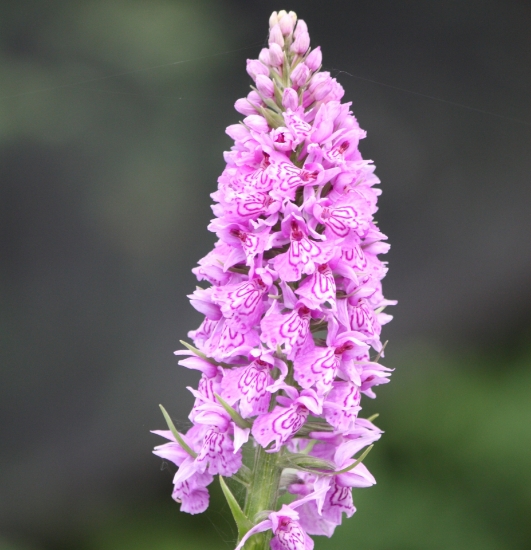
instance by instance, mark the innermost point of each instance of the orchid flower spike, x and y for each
(291, 295)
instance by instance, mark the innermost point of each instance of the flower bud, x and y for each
(276, 55)
(237, 132)
(244, 107)
(301, 44)
(255, 99)
(314, 59)
(264, 56)
(276, 37)
(265, 86)
(290, 100)
(300, 28)
(317, 80)
(300, 75)
(257, 123)
(273, 19)
(286, 24)
(321, 91)
(307, 99)
(254, 68)
(336, 92)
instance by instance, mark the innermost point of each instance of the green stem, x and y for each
(262, 493)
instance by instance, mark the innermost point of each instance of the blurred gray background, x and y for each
(112, 117)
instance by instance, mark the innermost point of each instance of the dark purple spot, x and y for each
(309, 176)
(296, 233)
(265, 161)
(343, 147)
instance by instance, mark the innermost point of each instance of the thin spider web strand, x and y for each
(150, 95)
(337, 71)
(125, 73)
(441, 100)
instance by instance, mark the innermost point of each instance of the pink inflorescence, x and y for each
(294, 307)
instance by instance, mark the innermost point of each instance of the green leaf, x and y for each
(377, 358)
(305, 462)
(238, 420)
(273, 119)
(176, 434)
(243, 476)
(269, 102)
(310, 427)
(243, 523)
(309, 446)
(352, 466)
(244, 270)
(312, 464)
(203, 356)
(197, 352)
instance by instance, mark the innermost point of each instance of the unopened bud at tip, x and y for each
(286, 23)
(255, 67)
(301, 44)
(263, 57)
(276, 36)
(273, 19)
(314, 59)
(254, 98)
(265, 86)
(290, 100)
(244, 107)
(301, 27)
(276, 55)
(300, 75)
(257, 123)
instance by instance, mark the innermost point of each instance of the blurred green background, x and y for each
(112, 117)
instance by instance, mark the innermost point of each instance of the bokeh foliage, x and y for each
(111, 138)
(452, 469)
